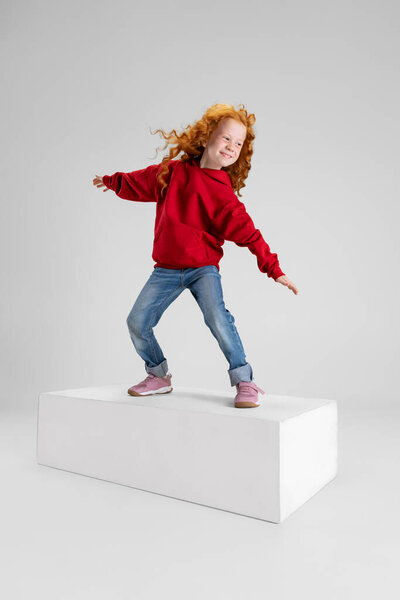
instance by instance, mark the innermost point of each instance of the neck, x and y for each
(202, 162)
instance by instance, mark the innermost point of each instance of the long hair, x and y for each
(190, 143)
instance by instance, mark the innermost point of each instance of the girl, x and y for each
(197, 210)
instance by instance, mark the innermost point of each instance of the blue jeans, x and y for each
(160, 290)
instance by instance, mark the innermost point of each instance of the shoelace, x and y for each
(152, 376)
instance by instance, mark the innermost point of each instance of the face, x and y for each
(224, 145)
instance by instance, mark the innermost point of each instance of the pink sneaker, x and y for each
(152, 385)
(247, 396)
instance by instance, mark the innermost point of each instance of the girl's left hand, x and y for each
(286, 281)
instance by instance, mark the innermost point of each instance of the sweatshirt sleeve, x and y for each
(234, 224)
(138, 185)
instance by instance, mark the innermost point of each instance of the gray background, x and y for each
(82, 84)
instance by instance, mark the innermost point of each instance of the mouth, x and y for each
(226, 155)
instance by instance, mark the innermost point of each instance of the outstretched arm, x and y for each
(234, 224)
(138, 185)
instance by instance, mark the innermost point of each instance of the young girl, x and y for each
(197, 210)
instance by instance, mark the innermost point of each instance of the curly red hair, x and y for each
(190, 143)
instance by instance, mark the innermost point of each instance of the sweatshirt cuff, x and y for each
(276, 273)
(107, 180)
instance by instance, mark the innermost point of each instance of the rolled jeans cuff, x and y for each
(160, 370)
(243, 373)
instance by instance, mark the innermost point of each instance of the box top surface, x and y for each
(272, 407)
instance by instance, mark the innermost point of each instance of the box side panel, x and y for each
(308, 456)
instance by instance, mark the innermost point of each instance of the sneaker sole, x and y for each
(164, 390)
(246, 405)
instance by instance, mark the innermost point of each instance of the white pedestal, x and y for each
(193, 445)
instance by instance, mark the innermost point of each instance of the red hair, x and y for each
(190, 143)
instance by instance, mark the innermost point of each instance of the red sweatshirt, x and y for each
(194, 218)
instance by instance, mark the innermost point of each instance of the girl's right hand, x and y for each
(98, 182)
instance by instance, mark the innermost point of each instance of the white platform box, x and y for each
(194, 445)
